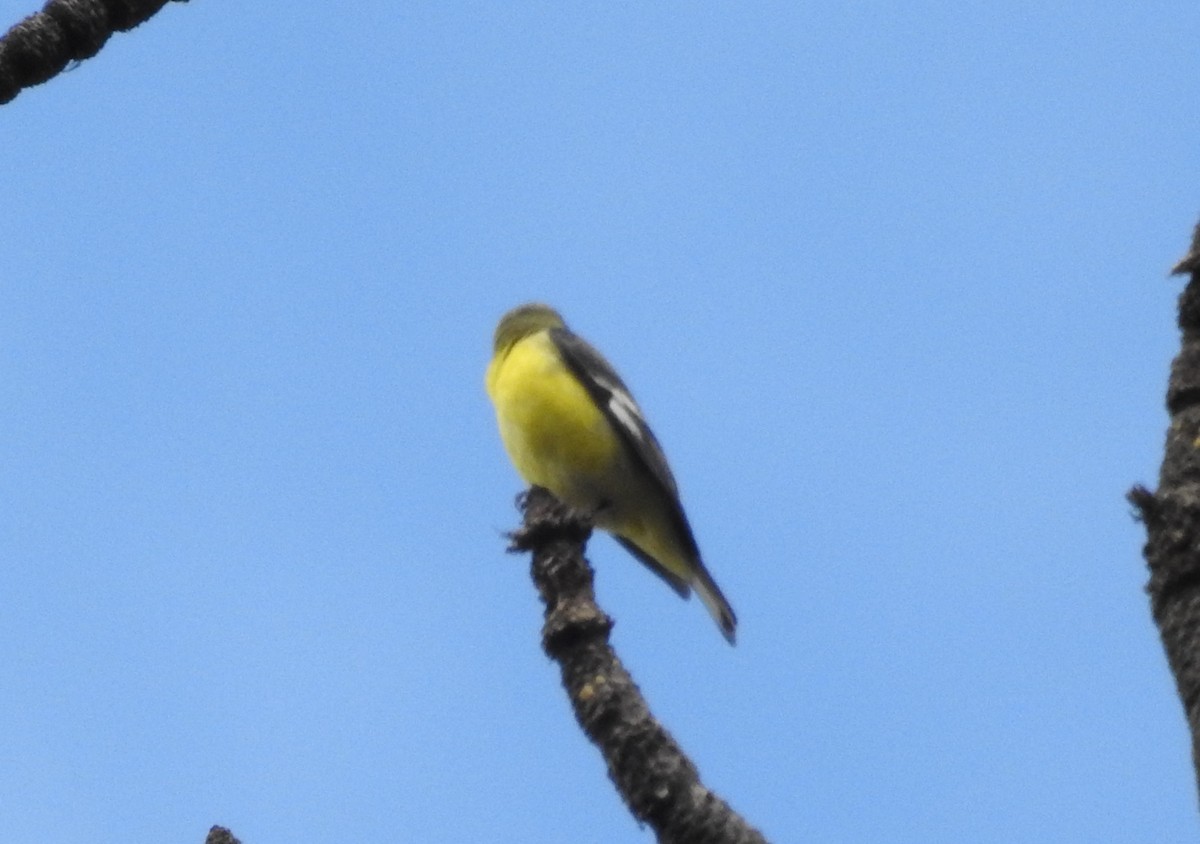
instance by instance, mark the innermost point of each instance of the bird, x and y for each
(570, 425)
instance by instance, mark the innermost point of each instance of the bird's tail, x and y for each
(715, 602)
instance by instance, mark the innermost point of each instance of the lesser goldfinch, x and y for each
(570, 425)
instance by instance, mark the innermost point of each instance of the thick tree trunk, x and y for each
(1172, 513)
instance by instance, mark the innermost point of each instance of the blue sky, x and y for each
(889, 282)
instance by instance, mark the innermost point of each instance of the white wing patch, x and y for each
(625, 409)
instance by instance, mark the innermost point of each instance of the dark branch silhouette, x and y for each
(220, 835)
(1172, 513)
(658, 782)
(64, 31)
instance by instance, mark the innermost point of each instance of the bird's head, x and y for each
(522, 321)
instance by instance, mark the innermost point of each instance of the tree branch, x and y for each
(220, 835)
(1172, 513)
(658, 783)
(64, 31)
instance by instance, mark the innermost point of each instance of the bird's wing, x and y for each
(614, 400)
(681, 586)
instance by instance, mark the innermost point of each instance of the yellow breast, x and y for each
(553, 431)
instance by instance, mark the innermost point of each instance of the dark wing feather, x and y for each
(616, 402)
(668, 577)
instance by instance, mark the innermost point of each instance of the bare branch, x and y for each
(220, 835)
(658, 782)
(64, 31)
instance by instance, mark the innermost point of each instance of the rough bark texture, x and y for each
(658, 782)
(1172, 513)
(220, 835)
(64, 31)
